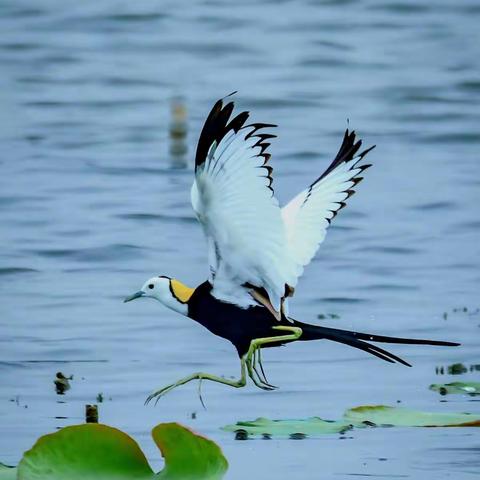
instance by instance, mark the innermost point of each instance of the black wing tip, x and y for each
(259, 125)
(262, 141)
(347, 152)
(217, 125)
(366, 151)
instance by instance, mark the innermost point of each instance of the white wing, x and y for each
(308, 215)
(233, 199)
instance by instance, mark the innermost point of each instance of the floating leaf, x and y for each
(90, 451)
(100, 452)
(471, 388)
(288, 428)
(382, 415)
(187, 455)
(7, 473)
(376, 415)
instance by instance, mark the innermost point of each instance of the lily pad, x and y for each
(85, 452)
(359, 417)
(470, 388)
(7, 473)
(382, 415)
(100, 452)
(265, 427)
(187, 455)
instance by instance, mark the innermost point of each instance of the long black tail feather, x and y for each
(357, 340)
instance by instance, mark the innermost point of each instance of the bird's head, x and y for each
(166, 290)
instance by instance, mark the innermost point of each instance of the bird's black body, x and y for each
(241, 326)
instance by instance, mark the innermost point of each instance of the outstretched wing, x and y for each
(232, 196)
(308, 215)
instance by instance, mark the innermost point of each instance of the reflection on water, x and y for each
(91, 204)
(178, 133)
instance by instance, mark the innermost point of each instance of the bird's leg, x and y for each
(261, 365)
(296, 333)
(246, 364)
(252, 371)
(257, 360)
(241, 382)
(256, 344)
(256, 356)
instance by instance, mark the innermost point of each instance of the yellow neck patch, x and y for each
(180, 291)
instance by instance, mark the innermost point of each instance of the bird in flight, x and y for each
(257, 250)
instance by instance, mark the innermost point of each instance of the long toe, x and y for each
(269, 386)
(158, 394)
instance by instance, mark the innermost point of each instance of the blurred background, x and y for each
(101, 104)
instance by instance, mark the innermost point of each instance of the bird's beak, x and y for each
(134, 296)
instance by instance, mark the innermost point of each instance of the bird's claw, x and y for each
(266, 386)
(160, 393)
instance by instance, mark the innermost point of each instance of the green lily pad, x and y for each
(187, 455)
(288, 428)
(382, 415)
(7, 473)
(85, 452)
(100, 452)
(470, 388)
(359, 417)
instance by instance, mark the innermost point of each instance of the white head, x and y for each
(166, 290)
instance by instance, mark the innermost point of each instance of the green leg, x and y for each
(241, 382)
(296, 333)
(261, 364)
(257, 360)
(256, 344)
(248, 363)
(253, 374)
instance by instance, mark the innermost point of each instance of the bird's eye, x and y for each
(150, 286)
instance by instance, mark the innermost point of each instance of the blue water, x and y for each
(91, 206)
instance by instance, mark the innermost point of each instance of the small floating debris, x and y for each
(62, 383)
(91, 413)
(456, 369)
(16, 401)
(324, 316)
(469, 311)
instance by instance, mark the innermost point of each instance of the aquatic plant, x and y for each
(470, 388)
(100, 452)
(358, 417)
